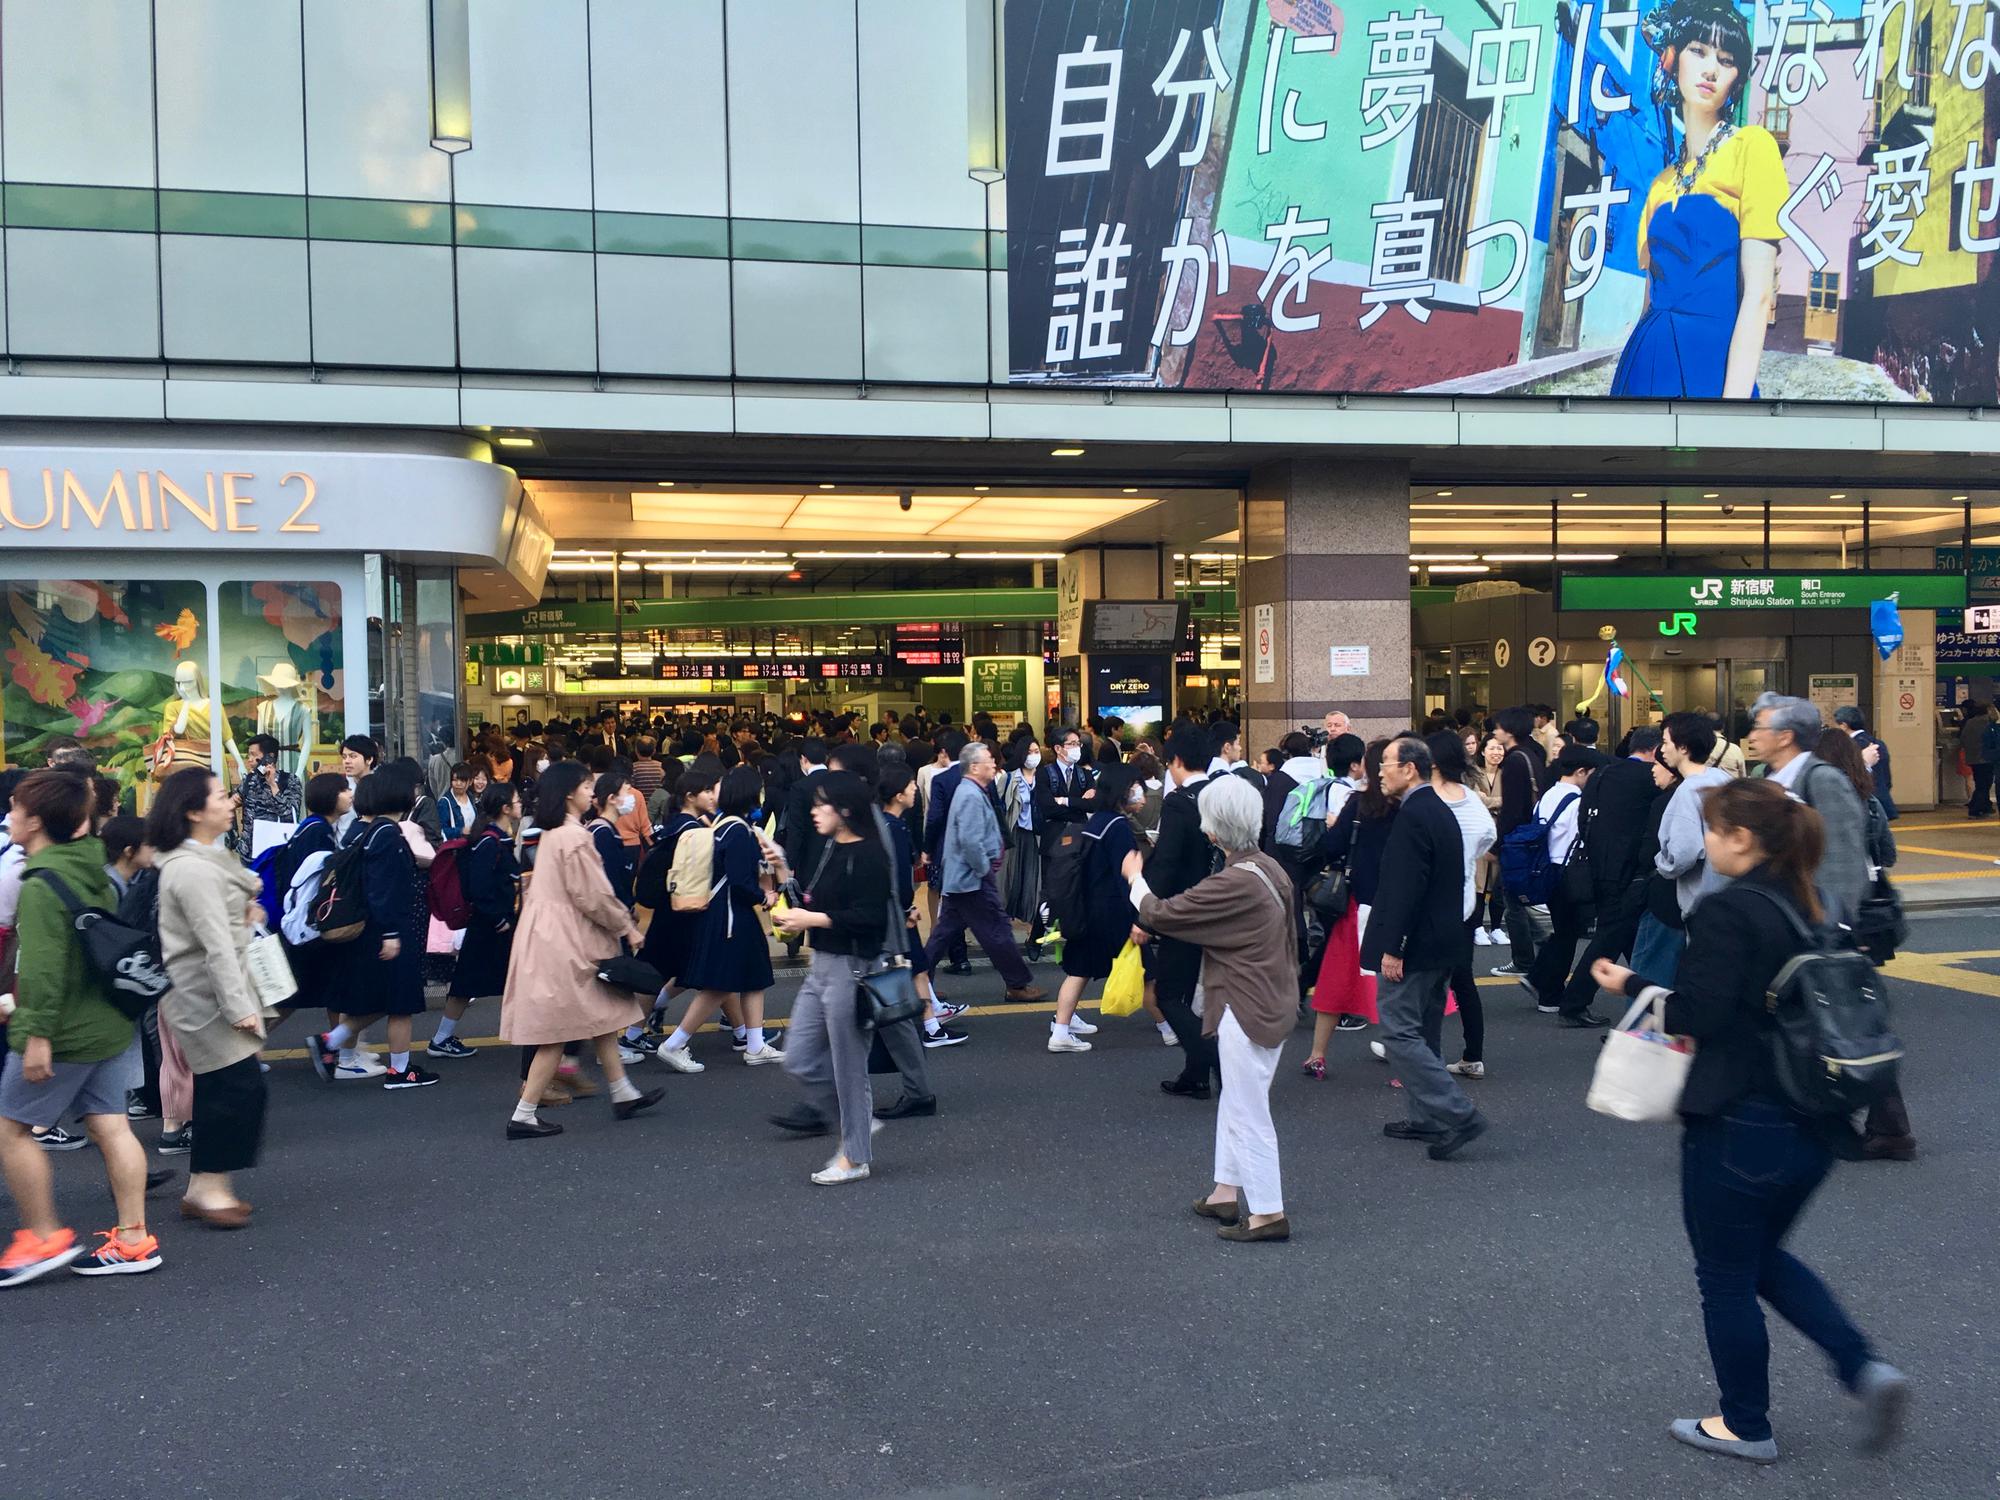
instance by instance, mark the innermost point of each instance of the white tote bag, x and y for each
(269, 972)
(1639, 1077)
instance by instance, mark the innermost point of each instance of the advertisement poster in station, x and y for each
(1786, 199)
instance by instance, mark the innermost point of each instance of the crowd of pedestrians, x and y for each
(616, 887)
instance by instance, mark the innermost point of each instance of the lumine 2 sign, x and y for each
(152, 500)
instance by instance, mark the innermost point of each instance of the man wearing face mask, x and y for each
(635, 828)
(1066, 791)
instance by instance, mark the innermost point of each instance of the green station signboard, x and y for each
(1601, 592)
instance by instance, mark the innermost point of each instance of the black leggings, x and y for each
(1471, 1011)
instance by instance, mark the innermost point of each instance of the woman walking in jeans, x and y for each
(846, 909)
(1749, 1162)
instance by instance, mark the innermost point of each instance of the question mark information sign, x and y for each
(1541, 651)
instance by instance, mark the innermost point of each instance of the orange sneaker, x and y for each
(116, 1257)
(30, 1255)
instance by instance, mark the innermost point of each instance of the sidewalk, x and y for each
(1945, 859)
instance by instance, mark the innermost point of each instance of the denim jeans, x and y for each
(1746, 1174)
(1656, 951)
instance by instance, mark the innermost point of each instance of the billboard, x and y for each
(1786, 199)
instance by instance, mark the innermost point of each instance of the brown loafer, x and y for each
(1225, 1213)
(555, 1094)
(1028, 992)
(1279, 1228)
(579, 1087)
(236, 1216)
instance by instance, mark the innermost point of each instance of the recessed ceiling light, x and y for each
(515, 442)
(980, 489)
(1956, 498)
(1065, 453)
(666, 484)
(826, 486)
(1841, 496)
(1579, 494)
(1444, 494)
(1133, 490)
(1711, 495)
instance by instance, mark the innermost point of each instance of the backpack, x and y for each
(326, 902)
(1305, 809)
(1830, 1036)
(649, 883)
(1062, 880)
(1527, 871)
(691, 883)
(124, 956)
(446, 883)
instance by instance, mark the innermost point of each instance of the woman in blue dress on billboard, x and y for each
(1708, 236)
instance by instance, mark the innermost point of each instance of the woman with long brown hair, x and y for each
(1749, 1162)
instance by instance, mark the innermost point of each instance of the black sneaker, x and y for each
(1350, 1023)
(1587, 1020)
(1510, 970)
(739, 1043)
(55, 1138)
(412, 1077)
(451, 1046)
(323, 1057)
(137, 1108)
(944, 1036)
(958, 966)
(176, 1142)
(1032, 953)
(156, 1180)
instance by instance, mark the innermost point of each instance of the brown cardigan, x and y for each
(1250, 960)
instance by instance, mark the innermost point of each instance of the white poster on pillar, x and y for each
(1263, 630)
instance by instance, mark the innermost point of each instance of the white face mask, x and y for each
(627, 802)
(541, 766)
(1072, 753)
(1032, 759)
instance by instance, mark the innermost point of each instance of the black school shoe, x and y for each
(529, 1130)
(1451, 1141)
(909, 1106)
(801, 1121)
(624, 1109)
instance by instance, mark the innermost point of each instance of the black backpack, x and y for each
(1830, 1036)
(126, 957)
(338, 910)
(1062, 880)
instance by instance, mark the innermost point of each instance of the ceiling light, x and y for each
(877, 556)
(666, 484)
(1065, 453)
(1957, 498)
(718, 567)
(628, 567)
(560, 566)
(1841, 496)
(1444, 494)
(1444, 557)
(1586, 557)
(515, 442)
(1009, 556)
(1712, 495)
(980, 489)
(826, 486)
(1579, 494)
(1461, 568)
(1133, 490)
(1517, 557)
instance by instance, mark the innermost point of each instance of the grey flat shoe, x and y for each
(1688, 1430)
(1884, 1393)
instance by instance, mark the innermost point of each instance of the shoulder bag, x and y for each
(886, 991)
(267, 971)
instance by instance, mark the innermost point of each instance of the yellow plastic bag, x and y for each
(1125, 990)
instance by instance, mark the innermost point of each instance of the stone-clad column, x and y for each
(1326, 544)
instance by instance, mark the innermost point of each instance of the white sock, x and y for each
(931, 1027)
(624, 1091)
(349, 1058)
(755, 1035)
(633, 1033)
(1165, 1029)
(342, 1036)
(446, 1030)
(525, 1113)
(739, 1032)
(679, 1040)
(399, 1062)
(1059, 1028)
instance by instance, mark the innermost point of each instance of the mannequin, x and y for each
(184, 727)
(286, 714)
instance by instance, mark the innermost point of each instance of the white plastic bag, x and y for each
(1641, 1072)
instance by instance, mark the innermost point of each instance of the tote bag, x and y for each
(268, 971)
(1641, 1071)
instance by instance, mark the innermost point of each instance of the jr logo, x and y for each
(1710, 592)
(1682, 622)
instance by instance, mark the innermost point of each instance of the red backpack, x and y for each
(447, 886)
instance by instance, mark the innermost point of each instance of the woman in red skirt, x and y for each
(1344, 997)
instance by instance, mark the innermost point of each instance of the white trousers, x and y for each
(1246, 1143)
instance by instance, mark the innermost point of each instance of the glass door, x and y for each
(1745, 679)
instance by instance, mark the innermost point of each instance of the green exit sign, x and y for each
(1681, 593)
(505, 654)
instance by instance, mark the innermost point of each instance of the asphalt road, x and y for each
(1018, 1304)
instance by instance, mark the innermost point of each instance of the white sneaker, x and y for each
(630, 1052)
(681, 1060)
(876, 1126)
(363, 1066)
(831, 1176)
(768, 1054)
(1168, 1039)
(1466, 1069)
(1482, 938)
(1080, 1027)
(1063, 1042)
(1381, 1052)
(1497, 936)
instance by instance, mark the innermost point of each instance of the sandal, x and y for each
(1315, 1067)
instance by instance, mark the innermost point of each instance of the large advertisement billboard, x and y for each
(1788, 199)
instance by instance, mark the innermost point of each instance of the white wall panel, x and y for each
(381, 304)
(84, 293)
(659, 150)
(913, 116)
(924, 324)
(796, 320)
(224, 298)
(792, 144)
(77, 81)
(368, 100)
(231, 113)
(530, 105)
(662, 315)
(526, 310)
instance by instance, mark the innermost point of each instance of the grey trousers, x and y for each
(826, 1052)
(1406, 1005)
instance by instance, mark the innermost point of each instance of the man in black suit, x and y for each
(1065, 792)
(802, 841)
(1522, 773)
(1182, 858)
(1419, 919)
(1851, 720)
(1613, 816)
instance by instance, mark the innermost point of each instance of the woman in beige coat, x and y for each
(570, 921)
(208, 907)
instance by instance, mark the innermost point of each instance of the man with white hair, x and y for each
(1335, 723)
(1783, 732)
(970, 855)
(1241, 920)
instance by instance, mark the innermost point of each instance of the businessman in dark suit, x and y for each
(1182, 858)
(1613, 817)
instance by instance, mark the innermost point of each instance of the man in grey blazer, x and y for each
(1783, 733)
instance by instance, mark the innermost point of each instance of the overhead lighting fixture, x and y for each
(666, 484)
(1711, 495)
(980, 489)
(1065, 453)
(826, 486)
(1009, 556)
(1586, 557)
(1461, 568)
(628, 567)
(875, 556)
(1841, 496)
(718, 567)
(1444, 557)
(1132, 490)
(1579, 494)
(1958, 498)
(1517, 557)
(1444, 494)
(515, 442)
(451, 76)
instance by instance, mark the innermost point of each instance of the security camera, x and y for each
(1728, 509)
(905, 500)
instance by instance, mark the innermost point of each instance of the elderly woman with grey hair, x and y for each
(1241, 919)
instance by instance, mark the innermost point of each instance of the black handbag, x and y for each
(1327, 894)
(886, 993)
(1880, 927)
(622, 971)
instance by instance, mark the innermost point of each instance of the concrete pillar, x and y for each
(1326, 548)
